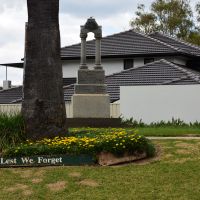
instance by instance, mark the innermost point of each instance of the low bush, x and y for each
(11, 130)
(113, 141)
(173, 123)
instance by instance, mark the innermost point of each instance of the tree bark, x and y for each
(43, 106)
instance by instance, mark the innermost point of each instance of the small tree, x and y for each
(43, 106)
(144, 22)
(173, 17)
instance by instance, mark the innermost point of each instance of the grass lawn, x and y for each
(169, 131)
(173, 175)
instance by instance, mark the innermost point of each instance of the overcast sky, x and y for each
(113, 15)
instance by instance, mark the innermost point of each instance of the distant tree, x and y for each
(144, 22)
(43, 106)
(194, 38)
(198, 14)
(173, 17)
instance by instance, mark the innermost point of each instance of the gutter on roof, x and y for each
(195, 57)
(134, 56)
(16, 65)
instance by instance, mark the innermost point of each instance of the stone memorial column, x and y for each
(83, 51)
(98, 52)
(91, 99)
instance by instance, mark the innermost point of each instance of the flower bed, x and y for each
(86, 141)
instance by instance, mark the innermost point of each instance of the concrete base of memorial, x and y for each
(91, 106)
(93, 122)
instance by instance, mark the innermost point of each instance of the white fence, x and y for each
(10, 108)
(115, 110)
(16, 108)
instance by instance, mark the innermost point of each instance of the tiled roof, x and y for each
(14, 95)
(68, 92)
(69, 81)
(160, 72)
(130, 43)
(177, 43)
(121, 44)
(11, 95)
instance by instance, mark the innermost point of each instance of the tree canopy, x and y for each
(172, 17)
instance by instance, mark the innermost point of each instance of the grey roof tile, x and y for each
(160, 72)
(130, 43)
(10, 95)
(183, 46)
(124, 43)
(69, 81)
(14, 95)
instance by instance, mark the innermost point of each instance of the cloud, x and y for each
(113, 15)
(86, 8)
(14, 74)
(97, 8)
(10, 4)
(12, 28)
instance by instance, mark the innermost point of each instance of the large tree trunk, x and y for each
(43, 105)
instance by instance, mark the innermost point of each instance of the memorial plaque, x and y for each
(57, 160)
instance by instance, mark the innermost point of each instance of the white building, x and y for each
(131, 59)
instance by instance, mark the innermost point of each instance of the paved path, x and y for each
(174, 138)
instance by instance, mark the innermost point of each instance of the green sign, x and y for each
(46, 160)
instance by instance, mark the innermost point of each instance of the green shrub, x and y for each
(11, 130)
(132, 123)
(173, 123)
(116, 141)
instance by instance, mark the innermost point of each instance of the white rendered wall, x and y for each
(138, 62)
(70, 67)
(156, 103)
(110, 66)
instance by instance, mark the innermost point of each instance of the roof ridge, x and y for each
(67, 86)
(187, 71)
(16, 100)
(156, 40)
(177, 39)
(174, 80)
(10, 89)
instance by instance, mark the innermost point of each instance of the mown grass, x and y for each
(174, 175)
(145, 131)
(169, 131)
